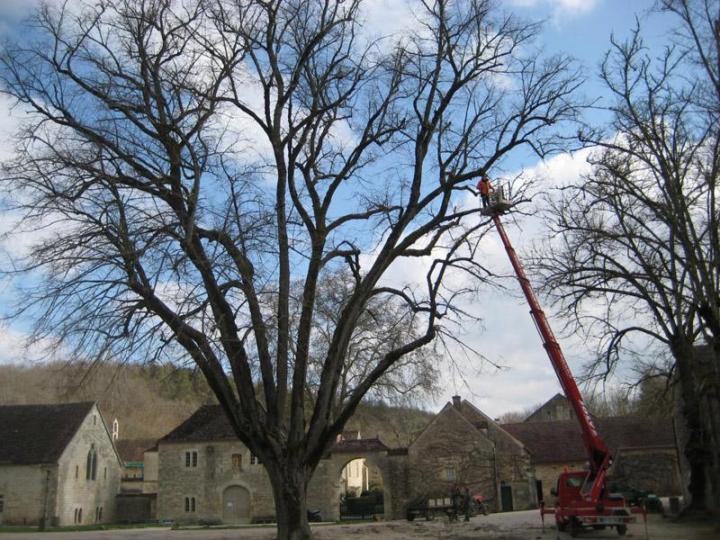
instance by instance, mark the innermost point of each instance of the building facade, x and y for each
(644, 452)
(206, 475)
(58, 465)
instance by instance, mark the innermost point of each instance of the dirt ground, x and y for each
(507, 526)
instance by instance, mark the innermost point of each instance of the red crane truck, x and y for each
(582, 496)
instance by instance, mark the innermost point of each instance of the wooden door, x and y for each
(236, 505)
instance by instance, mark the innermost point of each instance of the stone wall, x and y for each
(208, 481)
(655, 471)
(150, 471)
(28, 493)
(95, 497)
(463, 446)
(451, 452)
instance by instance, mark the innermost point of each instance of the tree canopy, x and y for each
(201, 168)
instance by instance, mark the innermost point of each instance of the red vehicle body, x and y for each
(582, 496)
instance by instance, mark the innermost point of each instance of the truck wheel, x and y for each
(410, 516)
(575, 527)
(561, 525)
(621, 529)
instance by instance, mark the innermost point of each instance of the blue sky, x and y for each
(581, 28)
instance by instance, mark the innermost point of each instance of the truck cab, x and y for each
(575, 510)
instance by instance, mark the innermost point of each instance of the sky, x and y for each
(581, 28)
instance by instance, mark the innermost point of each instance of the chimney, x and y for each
(457, 402)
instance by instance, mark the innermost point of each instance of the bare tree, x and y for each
(637, 240)
(384, 325)
(195, 164)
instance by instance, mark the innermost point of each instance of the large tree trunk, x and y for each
(289, 489)
(694, 443)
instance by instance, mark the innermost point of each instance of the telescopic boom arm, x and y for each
(597, 450)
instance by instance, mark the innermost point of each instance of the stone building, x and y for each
(644, 452)
(132, 454)
(58, 465)
(555, 409)
(462, 446)
(205, 474)
(137, 501)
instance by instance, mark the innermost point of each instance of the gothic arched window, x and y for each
(91, 464)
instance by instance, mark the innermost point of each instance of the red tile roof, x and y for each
(561, 442)
(133, 449)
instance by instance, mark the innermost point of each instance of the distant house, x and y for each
(132, 454)
(555, 409)
(644, 451)
(137, 501)
(58, 465)
(463, 446)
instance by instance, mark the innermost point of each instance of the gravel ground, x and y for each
(507, 526)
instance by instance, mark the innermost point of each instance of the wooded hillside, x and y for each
(149, 401)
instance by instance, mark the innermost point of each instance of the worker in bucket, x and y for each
(484, 187)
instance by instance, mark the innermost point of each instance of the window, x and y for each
(191, 458)
(237, 463)
(2, 503)
(105, 473)
(189, 504)
(78, 515)
(449, 474)
(91, 464)
(254, 460)
(100, 516)
(77, 472)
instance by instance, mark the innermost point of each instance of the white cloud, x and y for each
(558, 9)
(15, 347)
(388, 17)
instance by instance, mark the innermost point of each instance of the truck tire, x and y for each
(575, 527)
(561, 525)
(621, 530)
(410, 515)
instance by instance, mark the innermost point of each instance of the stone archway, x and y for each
(236, 505)
(362, 489)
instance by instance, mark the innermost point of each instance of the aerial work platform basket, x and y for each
(499, 203)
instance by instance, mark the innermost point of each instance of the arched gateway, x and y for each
(327, 485)
(236, 505)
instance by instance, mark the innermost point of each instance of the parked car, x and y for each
(638, 497)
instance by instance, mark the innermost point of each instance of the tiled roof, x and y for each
(31, 434)
(208, 423)
(133, 449)
(561, 442)
(360, 445)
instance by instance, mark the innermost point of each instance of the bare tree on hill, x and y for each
(194, 164)
(637, 240)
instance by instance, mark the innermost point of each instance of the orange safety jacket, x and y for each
(484, 187)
